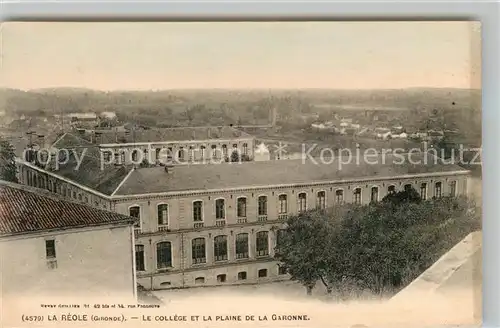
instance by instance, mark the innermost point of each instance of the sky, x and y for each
(267, 55)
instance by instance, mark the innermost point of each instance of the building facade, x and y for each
(53, 248)
(229, 236)
(207, 225)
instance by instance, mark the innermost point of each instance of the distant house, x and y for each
(108, 115)
(52, 247)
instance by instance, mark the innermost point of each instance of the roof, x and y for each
(172, 134)
(26, 209)
(89, 174)
(269, 173)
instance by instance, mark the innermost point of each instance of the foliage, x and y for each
(407, 195)
(8, 169)
(379, 247)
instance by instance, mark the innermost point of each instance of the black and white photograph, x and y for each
(268, 174)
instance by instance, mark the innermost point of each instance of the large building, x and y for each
(180, 145)
(218, 224)
(54, 248)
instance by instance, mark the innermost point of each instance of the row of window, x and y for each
(262, 203)
(242, 275)
(199, 250)
(43, 182)
(191, 153)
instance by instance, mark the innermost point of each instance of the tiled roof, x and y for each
(172, 134)
(266, 173)
(25, 209)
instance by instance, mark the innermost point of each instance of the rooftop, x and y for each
(89, 174)
(171, 134)
(26, 209)
(268, 173)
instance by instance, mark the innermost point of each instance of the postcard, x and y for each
(253, 174)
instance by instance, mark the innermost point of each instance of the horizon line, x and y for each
(238, 89)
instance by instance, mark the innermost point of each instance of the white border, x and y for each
(488, 12)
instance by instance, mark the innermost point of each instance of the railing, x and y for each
(200, 260)
(198, 225)
(220, 222)
(283, 216)
(241, 220)
(243, 255)
(262, 218)
(163, 228)
(262, 253)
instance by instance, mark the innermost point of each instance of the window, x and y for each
(190, 153)
(163, 214)
(357, 196)
(339, 196)
(50, 249)
(262, 243)
(245, 149)
(220, 248)
(139, 258)
(321, 200)
(202, 152)
(224, 151)
(437, 190)
(283, 205)
(235, 145)
(199, 280)
(408, 187)
(214, 151)
(282, 270)
(423, 191)
(163, 255)
(181, 153)
(135, 152)
(242, 246)
(198, 211)
(242, 207)
(80, 197)
(219, 209)
(242, 275)
(374, 195)
(157, 153)
(302, 202)
(391, 190)
(198, 251)
(262, 205)
(262, 273)
(86, 199)
(135, 212)
(221, 278)
(453, 189)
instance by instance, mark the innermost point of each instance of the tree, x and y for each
(407, 195)
(379, 247)
(8, 169)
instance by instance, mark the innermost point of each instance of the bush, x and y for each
(379, 247)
